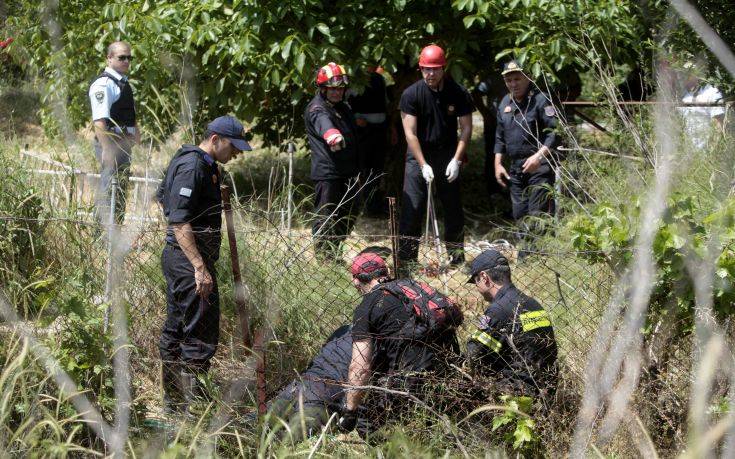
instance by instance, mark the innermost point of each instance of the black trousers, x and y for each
(530, 194)
(191, 332)
(413, 208)
(373, 141)
(335, 206)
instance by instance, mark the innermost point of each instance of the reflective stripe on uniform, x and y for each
(485, 338)
(535, 319)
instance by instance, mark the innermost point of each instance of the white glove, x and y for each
(338, 143)
(334, 139)
(453, 170)
(427, 172)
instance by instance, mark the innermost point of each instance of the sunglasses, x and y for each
(122, 58)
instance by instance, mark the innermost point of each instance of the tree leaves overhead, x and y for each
(258, 58)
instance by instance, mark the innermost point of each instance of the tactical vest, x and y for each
(122, 112)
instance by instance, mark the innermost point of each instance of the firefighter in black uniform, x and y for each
(115, 128)
(389, 339)
(192, 204)
(514, 340)
(525, 134)
(330, 129)
(370, 108)
(430, 109)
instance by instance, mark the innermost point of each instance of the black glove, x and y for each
(348, 420)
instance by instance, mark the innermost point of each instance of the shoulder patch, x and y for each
(484, 322)
(185, 192)
(549, 110)
(507, 109)
(99, 96)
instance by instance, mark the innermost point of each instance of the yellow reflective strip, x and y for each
(487, 340)
(535, 319)
(534, 314)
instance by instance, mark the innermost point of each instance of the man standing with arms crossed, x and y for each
(115, 129)
(430, 109)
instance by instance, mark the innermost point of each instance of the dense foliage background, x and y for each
(258, 58)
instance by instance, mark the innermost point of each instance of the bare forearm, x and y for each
(415, 148)
(498, 159)
(185, 238)
(464, 137)
(103, 135)
(358, 374)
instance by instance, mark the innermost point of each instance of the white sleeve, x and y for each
(714, 96)
(101, 98)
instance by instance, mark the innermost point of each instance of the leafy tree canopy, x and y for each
(257, 58)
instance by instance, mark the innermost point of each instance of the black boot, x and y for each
(173, 393)
(194, 393)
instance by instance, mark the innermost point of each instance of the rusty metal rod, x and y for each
(589, 120)
(588, 103)
(393, 232)
(241, 300)
(260, 382)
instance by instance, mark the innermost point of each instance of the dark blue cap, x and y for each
(228, 126)
(488, 259)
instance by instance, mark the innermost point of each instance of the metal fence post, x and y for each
(259, 348)
(110, 237)
(291, 149)
(393, 232)
(241, 295)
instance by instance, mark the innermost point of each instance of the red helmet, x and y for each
(332, 76)
(432, 56)
(367, 266)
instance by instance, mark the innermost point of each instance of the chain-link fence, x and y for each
(293, 300)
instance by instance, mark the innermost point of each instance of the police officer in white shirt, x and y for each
(113, 114)
(699, 121)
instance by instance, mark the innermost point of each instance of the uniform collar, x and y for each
(326, 101)
(118, 76)
(441, 87)
(207, 158)
(503, 291)
(529, 94)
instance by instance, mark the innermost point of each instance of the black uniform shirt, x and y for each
(190, 193)
(381, 317)
(319, 117)
(526, 125)
(436, 113)
(514, 341)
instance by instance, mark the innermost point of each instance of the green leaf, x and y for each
(300, 60)
(286, 48)
(499, 421)
(323, 28)
(503, 53)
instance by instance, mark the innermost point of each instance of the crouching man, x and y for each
(401, 330)
(513, 341)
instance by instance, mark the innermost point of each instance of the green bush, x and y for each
(686, 230)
